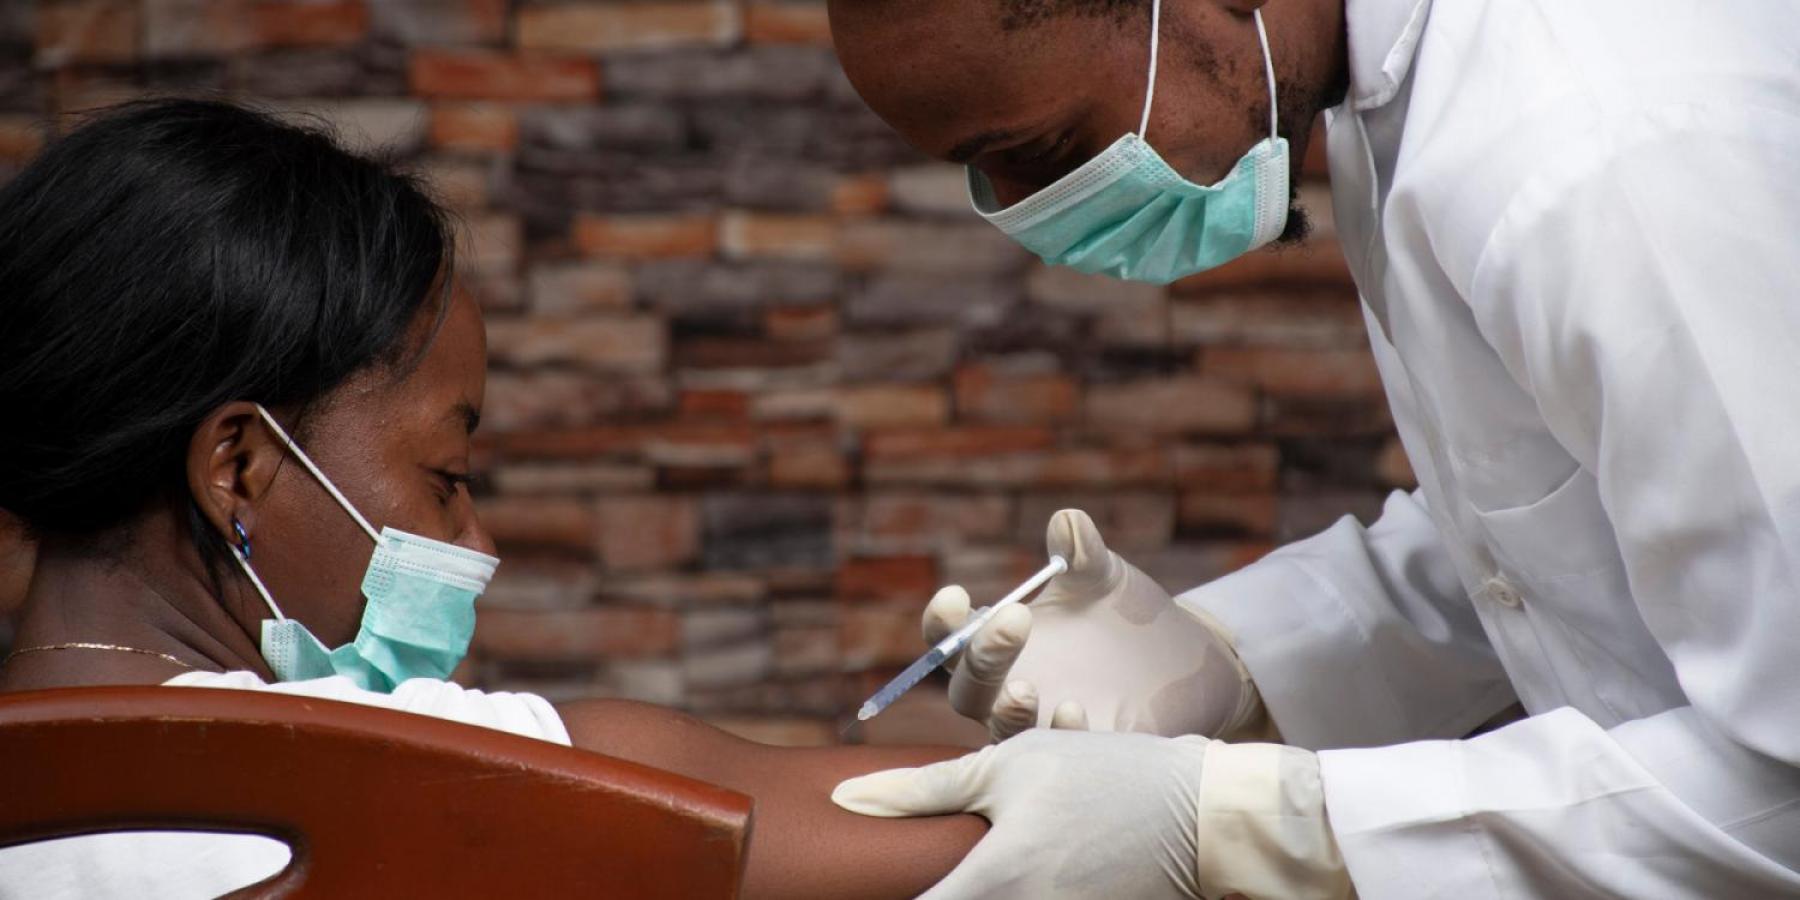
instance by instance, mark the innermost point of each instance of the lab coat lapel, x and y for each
(1383, 38)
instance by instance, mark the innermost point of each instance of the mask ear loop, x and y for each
(242, 556)
(326, 482)
(1268, 67)
(1150, 89)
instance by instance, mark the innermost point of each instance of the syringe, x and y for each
(955, 642)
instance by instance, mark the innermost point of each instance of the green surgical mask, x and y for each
(1127, 214)
(418, 616)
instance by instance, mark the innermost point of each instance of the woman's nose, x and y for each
(474, 536)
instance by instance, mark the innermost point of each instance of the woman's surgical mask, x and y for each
(419, 615)
(1127, 214)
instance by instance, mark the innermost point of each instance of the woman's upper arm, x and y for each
(803, 845)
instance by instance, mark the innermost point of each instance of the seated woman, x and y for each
(238, 384)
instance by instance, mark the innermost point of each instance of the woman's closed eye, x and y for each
(449, 483)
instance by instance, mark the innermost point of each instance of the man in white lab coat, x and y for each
(1575, 226)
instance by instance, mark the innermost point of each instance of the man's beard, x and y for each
(1299, 224)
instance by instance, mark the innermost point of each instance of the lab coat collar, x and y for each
(1384, 35)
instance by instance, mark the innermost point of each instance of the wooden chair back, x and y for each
(372, 802)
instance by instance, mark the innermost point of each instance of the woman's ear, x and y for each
(231, 462)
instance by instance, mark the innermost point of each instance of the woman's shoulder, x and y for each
(519, 713)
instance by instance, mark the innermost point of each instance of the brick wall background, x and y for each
(760, 382)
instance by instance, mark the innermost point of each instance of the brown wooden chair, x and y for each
(373, 803)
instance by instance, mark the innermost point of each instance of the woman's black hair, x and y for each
(171, 256)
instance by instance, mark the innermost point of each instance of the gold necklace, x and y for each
(84, 645)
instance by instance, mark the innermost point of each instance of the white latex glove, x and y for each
(1103, 644)
(1085, 814)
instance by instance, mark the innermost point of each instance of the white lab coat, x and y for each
(1576, 229)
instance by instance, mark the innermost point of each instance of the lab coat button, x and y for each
(1502, 592)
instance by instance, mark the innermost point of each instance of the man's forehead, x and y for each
(952, 87)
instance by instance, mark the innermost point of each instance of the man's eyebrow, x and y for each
(467, 415)
(971, 148)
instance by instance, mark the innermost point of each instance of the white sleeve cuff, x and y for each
(1262, 830)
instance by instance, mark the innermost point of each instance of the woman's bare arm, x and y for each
(803, 845)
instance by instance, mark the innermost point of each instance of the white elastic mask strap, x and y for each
(326, 482)
(1262, 36)
(1268, 67)
(257, 583)
(1150, 89)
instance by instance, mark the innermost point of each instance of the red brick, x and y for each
(800, 323)
(80, 92)
(576, 634)
(730, 406)
(814, 404)
(555, 479)
(751, 235)
(957, 443)
(496, 289)
(368, 125)
(786, 22)
(807, 650)
(1310, 264)
(1248, 514)
(489, 75)
(892, 406)
(479, 127)
(985, 395)
(930, 518)
(284, 23)
(647, 532)
(1083, 467)
(1165, 405)
(1229, 468)
(518, 401)
(687, 591)
(494, 242)
(814, 464)
(622, 344)
(1280, 370)
(578, 288)
(748, 353)
(620, 26)
(440, 21)
(646, 236)
(987, 571)
(542, 582)
(538, 522)
(87, 31)
(460, 184)
(880, 634)
(860, 195)
(1296, 415)
(906, 244)
(911, 578)
(1290, 318)
(21, 137)
(664, 442)
(932, 189)
(1097, 467)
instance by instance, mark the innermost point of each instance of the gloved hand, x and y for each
(1103, 646)
(1085, 814)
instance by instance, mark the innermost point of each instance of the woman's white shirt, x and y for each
(176, 864)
